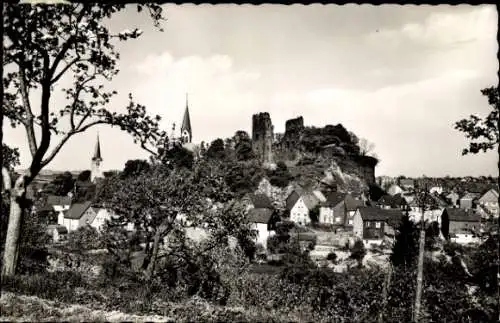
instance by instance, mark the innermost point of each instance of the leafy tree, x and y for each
(178, 157)
(314, 214)
(216, 150)
(85, 238)
(483, 133)
(135, 167)
(61, 185)
(84, 176)
(156, 201)
(43, 44)
(243, 177)
(10, 157)
(243, 146)
(366, 147)
(405, 248)
(281, 176)
(358, 252)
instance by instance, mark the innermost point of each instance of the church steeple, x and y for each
(97, 151)
(186, 131)
(96, 171)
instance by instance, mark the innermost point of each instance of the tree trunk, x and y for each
(152, 261)
(18, 194)
(420, 268)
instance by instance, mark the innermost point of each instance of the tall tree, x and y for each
(61, 185)
(43, 44)
(405, 248)
(216, 150)
(135, 167)
(162, 202)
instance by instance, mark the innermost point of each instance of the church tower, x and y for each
(96, 171)
(186, 132)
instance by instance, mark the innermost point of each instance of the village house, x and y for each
(459, 223)
(57, 232)
(264, 221)
(299, 203)
(59, 204)
(351, 205)
(257, 201)
(489, 202)
(453, 197)
(332, 211)
(372, 224)
(467, 200)
(392, 202)
(86, 213)
(394, 189)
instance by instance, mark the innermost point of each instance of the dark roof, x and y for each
(76, 210)
(186, 121)
(97, 152)
(470, 196)
(351, 204)
(309, 199)
(334, 198)
(385, 200)
(261, 201)
(378, 214)
(46, 208)
(60, 228)
(260, 215)
(58, 200)
(461, 215)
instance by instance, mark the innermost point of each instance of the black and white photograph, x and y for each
(189, 162)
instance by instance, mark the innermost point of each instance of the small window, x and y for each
(367, 224)
(337, 219)
(350, 222)
(377, 225)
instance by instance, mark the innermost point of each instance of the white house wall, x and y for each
(300, 213)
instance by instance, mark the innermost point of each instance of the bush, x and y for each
(332, 256)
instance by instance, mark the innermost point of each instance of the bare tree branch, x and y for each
(67, 67)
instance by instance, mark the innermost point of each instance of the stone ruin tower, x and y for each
(262, 137)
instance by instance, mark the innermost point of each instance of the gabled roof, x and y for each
(260, 215)
(351, 204)
(60, 228)
(492, 191)
(378, 214)
(260, 201)
(461, 215)
(97, 152)
(309, 199)
(186, 121)
(335, 198)
(56, 200)
(77, 210)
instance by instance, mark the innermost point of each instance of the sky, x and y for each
(399, 76)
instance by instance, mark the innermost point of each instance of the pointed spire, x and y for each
(97, 152)
(186, 122)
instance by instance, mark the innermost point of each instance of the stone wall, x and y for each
(262, 137)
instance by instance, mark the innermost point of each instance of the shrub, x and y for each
(332, 256)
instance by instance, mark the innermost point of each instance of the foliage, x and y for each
(162, 202)
(375, 192)
(486, 263)
(61, 185)
(314, 214)
(332, 256)
(44, 45)
(84, 191)
(314, 139)
(216, 150)
(84, 176)
(405, 248)
(483, 133)
(85, 238)
(243, 147)
(242, 177)
(280, 176)
(135, 167)
(358, 252)
(178, 157)
(10, 157)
